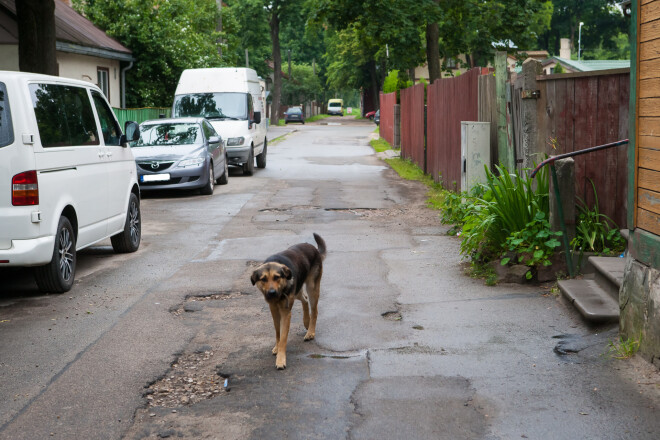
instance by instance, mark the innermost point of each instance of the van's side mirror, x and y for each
(131, 131)
(257, 117)
(215, 140)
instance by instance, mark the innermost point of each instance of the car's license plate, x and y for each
(155, 177)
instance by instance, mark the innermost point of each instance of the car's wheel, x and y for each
(129, 239)
(224, 179)
(58, 275)
(261, 158)
(207, 190)
(248, 167)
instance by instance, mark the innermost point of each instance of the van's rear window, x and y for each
(6, 127)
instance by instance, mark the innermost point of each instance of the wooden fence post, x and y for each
(504, 152)
(530, 128)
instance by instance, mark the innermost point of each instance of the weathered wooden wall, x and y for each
(488, 111)
(412, 125)
(648, 119)
(449, 101)
(386, 129)
(578, 111)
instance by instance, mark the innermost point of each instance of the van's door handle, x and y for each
(109, 154)
(101, 154)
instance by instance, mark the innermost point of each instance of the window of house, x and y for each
(104, 80)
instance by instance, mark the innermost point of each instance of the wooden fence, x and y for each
(548, 115)
(449, 101)
(387, 103)
(578, 111)
(412, 125)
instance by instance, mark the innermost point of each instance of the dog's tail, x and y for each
(321, 244)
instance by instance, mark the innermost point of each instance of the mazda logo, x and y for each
(154, 165)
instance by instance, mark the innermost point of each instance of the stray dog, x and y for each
(280, 278)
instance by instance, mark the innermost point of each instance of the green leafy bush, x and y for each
(534, 245)
(594, 231)
(508, 205)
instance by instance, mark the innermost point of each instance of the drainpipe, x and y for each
(123, 84)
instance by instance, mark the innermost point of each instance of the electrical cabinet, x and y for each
(475, 153)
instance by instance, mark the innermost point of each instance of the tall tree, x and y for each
(36, 36)
(603, 22)
(432, 47)
(165, 36)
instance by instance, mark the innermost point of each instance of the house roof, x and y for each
(589, 65)
(73, 32)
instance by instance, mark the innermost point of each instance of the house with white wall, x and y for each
(83, 51)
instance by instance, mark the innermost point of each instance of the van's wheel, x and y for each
(224, 179)
(261, 158)
(57, 276)
(129, 239)
(248, 167)
(207, 190)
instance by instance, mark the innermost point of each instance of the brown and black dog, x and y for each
(281, 278)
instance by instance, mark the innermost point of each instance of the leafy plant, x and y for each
(533, 245)
(596, 232)
(624, 348)
(509, 203)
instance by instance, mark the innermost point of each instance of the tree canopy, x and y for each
(165, 36)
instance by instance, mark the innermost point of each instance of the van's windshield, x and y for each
(212, 106)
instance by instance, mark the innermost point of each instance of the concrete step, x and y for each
(596, 296)
(589, 298)
(608, 273)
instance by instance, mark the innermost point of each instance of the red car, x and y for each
(370, 114)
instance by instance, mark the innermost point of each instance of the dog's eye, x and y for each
(263, 279)
(276, 277)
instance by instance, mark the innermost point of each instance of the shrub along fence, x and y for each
(545, 114)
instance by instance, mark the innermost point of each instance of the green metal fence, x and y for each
(140, 115)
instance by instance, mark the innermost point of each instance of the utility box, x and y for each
(475, 153)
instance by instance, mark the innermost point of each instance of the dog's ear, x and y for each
(255, 277)
(286, 273)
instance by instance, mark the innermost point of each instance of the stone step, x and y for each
(608, 273)
(591, 300)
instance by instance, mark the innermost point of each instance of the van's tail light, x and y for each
(25, 189)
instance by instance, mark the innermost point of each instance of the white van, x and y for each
(68, 176)
(232, 99)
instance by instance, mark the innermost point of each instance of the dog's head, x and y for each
(273, 279)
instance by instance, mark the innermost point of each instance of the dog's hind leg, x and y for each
(275, 312)
(313, 287)
(305, 307)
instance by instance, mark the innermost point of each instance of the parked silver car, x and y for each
(180, 153)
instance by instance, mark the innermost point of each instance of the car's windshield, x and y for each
(212, 106)
(168, 134)
(334, 104)
(294, 110)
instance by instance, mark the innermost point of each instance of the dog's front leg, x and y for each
(275, 312)
(285, 322)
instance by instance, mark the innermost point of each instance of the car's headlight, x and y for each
(191, 162)
(232, 142)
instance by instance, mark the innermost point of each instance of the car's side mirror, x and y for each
(257, 117)
(215, 140)
(131, 132)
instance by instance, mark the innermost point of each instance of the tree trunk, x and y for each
(218, 26)
(36, 36)
(433, 51)
(375, 84)
(277, 66)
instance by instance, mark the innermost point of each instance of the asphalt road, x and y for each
(174, 341)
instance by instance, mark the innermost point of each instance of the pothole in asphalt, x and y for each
(193, 303)
(190, 379)
(392, 315)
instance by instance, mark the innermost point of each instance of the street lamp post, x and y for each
(580, 40)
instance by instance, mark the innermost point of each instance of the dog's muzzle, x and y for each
(271, 294)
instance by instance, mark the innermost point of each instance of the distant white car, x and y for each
(69, 178)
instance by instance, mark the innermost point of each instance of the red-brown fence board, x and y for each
(386, 129)
(412, 125)
(449, 101)
(582, 112)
